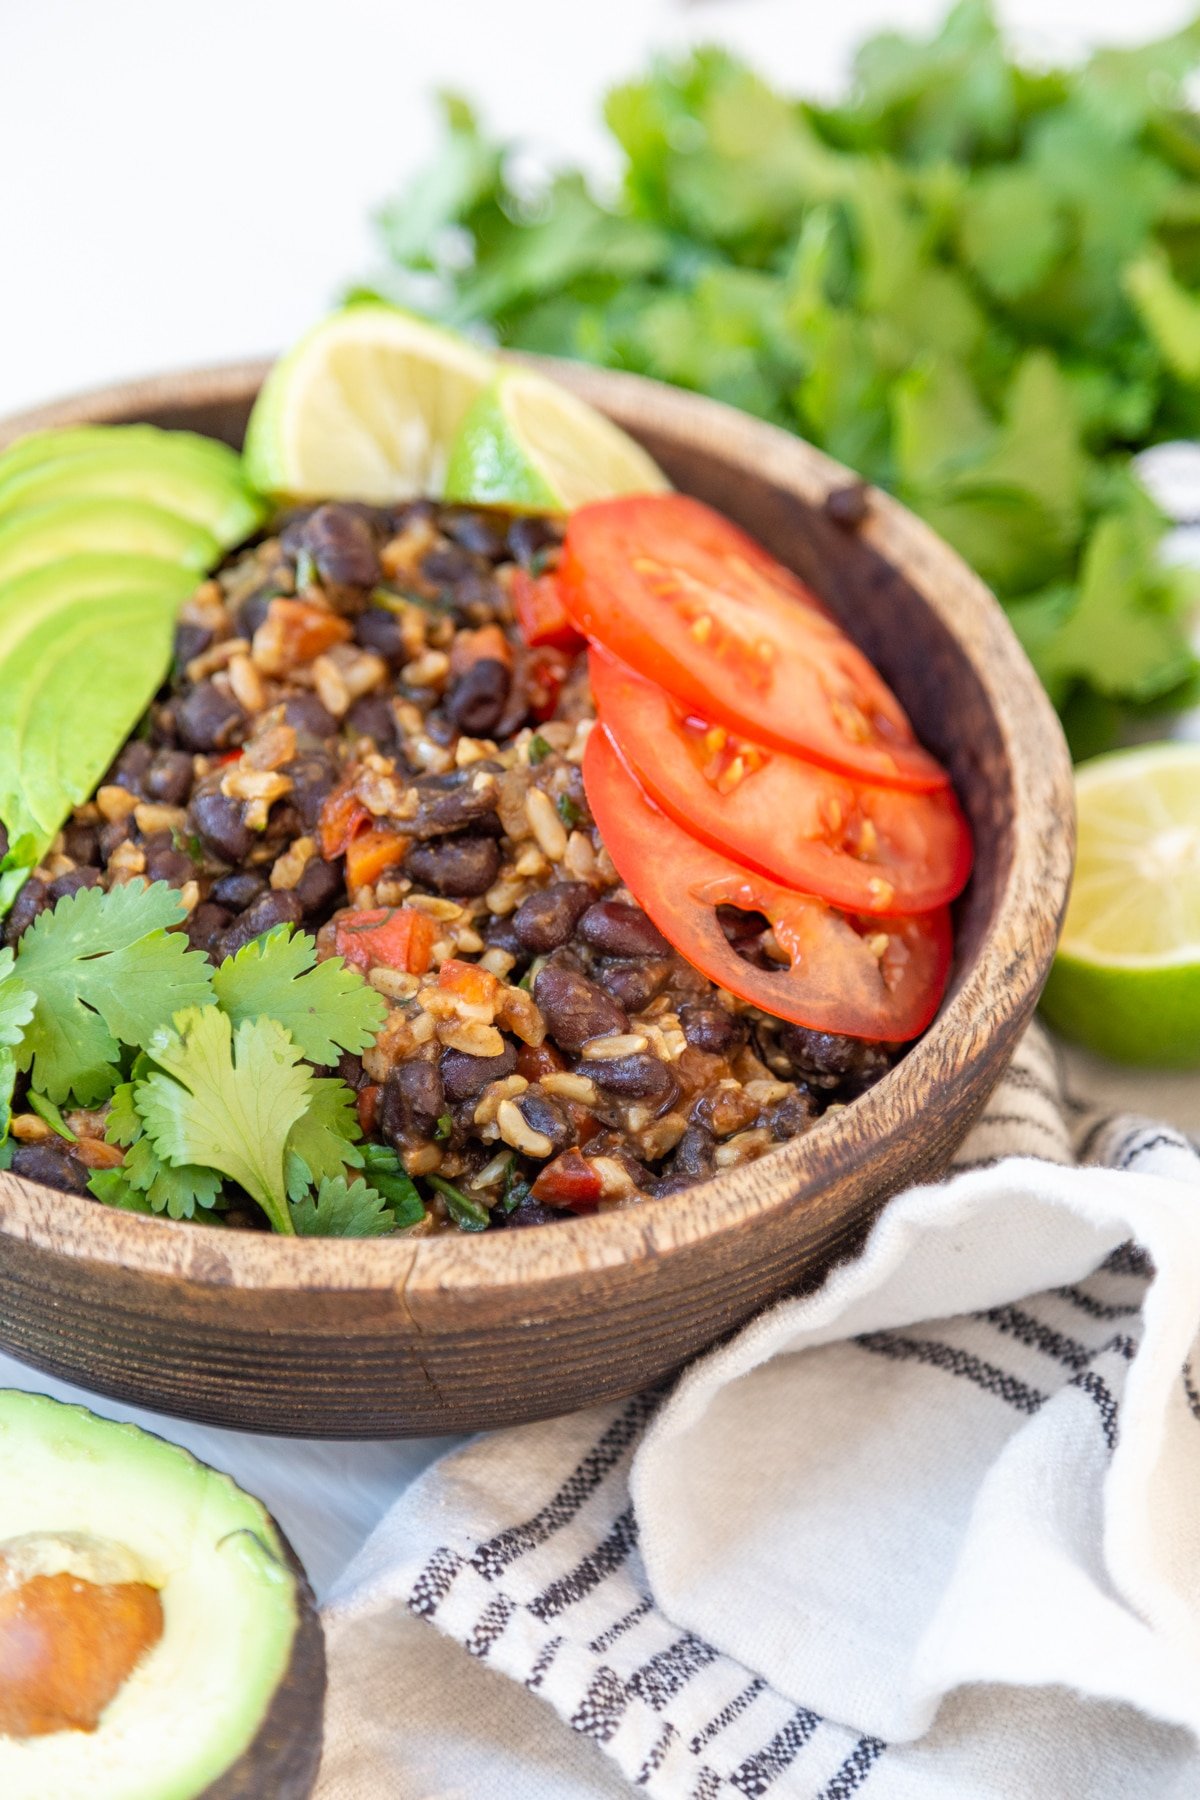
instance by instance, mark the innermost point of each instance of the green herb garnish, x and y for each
(326, 1006)
(567, 810)
(539, 750)
(443, 1128)
(46, 1109)
(343, 1209)
(468, 1214)
(306, 570)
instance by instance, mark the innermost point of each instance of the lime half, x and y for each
(364, 408)
(1126, 981)
(529, 444)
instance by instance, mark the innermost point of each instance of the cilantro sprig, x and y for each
(976, 282)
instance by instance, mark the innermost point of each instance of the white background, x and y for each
(187, 183)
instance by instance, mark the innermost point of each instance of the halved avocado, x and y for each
(84, 645)
(39, 535)
(200, 480)
(221, 1694)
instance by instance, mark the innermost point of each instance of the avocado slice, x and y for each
(84, 645)
(167, 470)
(226, 1703)
(38, 535)
(61, 441)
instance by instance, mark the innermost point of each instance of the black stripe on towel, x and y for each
(854, 1771)
(759, 1771)
(489, 1625)
(658, 1754)
(1096, 1309)
(494, 1556)
(1128, 1259)
(727, 1715)
(1189, 1388)
(608, 1638)
(434, 1582)
(1022, 1326)
(953, 1361)
(599, 1713)
(658, 1681)
(589, 1571)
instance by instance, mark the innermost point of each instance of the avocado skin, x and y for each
(282, 1760)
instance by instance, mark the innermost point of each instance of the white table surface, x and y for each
(188, 184)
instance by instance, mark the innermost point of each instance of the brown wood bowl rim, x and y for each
(990, 1001)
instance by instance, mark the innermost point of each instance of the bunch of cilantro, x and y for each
(975, 282)
(212, 1074)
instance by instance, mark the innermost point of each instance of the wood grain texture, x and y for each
(345, 1338)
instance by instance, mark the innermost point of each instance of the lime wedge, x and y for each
(529, 444)
(1126, 981)
(364, 408)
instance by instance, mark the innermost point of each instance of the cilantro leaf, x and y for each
(389, 1178)
(324, 1140)
(111, 1187)
(105, 972)
(177, 1191)
(326, 1006)
(17, 1004)
(227, 1099)
(342, 1210)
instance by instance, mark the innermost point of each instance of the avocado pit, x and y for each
(76, 1618)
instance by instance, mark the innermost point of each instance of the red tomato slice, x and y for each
(873, 849)
(541, 615)
(860, 976)
(685, 598)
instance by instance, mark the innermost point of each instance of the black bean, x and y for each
(744, 931)
(279, 907)
(253, 612)
(169, 778)
(532, 1212)
(238, 890)
(694, 1154)
(638, 1077)
(460, 865)
(574, 1008)
(831, 1058)
(412, 1102)
(500, 934)
(633, 983)
(527, 538)
(50, 1166)
(131, 767)
(343, 544)
(476, 700)
(621, 930)
(71, 882)
(312, 777)
(465, 1076)
(794, 1113)
(350, 1068)
(379, 629)
(82, 843)
(308, 718)
(710, 1026)
(190, 640)
(112, 835)
(544, 1114)
(318, 887)
(221, 826)
(546, 920)
(452, 802)
(205, 925)
(372, 717)
(478, 599)
(448, 564)
(207, 719)
(480, 535)
(170, 865)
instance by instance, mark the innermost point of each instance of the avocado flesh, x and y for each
(84, 645)
(39, 535)
(166, 472)
(233, 1608)
(74, 440)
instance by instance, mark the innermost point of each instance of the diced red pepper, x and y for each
(388, 937)
(545, 672)
(570, 1181)
(487, 644)
(478, 987)
(343, 816)
(541, 615)
(370, 854)
(587, 1125)
(367, 1105)
(226, 756)
(294, 632)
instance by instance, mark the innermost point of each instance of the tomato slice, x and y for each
(873, 849)
(685, 598)
(851, 973)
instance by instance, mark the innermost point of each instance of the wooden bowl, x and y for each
(345, 1338)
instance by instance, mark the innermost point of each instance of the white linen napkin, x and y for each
(916, 1534)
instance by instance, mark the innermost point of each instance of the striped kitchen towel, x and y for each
(930, 1533)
